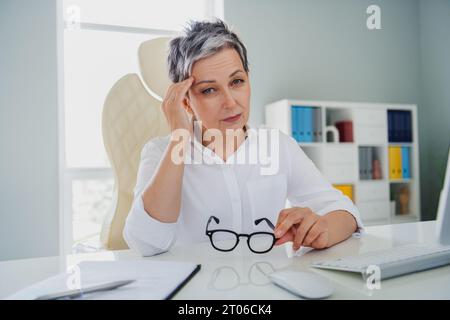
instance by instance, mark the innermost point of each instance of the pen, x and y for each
(79, 292)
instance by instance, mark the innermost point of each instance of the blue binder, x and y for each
(301, 124)
(294, 122)
(402, 115)
(408, 126)
(406, 163)
(390, 126)
(397, 127)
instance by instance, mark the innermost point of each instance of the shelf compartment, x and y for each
(370, 117)
(306, 123)
(400, 125)
(339, 125)
(370, 135)
(400, 199)
(400, 164)
(372, 190)
(340, 153)
(371, 163)
(374, 210)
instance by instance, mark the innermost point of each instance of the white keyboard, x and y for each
(392, 262)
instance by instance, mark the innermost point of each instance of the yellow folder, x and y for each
(395, 163)
(391, 163)
(398, 163)
(347, 189)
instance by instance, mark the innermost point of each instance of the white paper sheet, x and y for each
(154, 279)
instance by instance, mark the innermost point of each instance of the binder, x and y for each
(390, 126)
(294, 123)
(402, 125)
(361, 163)
(317, 125)
(392, 170)
(397, 163)
(408, 116)
(366, 162)
(369, 163)
(308, 123)
(406, 163)
(406, 126)
(300, 124)
(397, 125)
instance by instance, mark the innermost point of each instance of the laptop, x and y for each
(404, 259)
(443, 213)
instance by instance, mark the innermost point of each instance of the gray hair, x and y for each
(201, 39)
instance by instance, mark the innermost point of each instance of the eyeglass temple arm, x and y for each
(217, 220)
(258, 221)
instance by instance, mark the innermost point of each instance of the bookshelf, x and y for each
(356, 146)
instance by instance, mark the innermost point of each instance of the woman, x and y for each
(174, 199)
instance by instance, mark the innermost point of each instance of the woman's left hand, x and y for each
(303, 227)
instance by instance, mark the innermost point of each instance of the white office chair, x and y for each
(131, 117)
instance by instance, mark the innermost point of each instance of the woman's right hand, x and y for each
(173, 105)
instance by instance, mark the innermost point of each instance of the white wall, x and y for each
(322, 50)
(434, 111)
(28, 129)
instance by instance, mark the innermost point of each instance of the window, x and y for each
(99, 45)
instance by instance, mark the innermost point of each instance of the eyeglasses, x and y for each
(258, 242)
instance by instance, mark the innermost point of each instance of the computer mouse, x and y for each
(304, 284)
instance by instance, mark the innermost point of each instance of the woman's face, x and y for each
(220, 94)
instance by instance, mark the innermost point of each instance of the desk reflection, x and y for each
(227, 278)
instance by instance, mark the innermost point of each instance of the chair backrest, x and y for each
(131, 117)
(153, 65)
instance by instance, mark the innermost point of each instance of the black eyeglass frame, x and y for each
(210, 233)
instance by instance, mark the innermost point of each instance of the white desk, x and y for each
(240, 274)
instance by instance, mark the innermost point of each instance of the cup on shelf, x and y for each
(333, 133)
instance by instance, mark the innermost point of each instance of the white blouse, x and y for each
(235, 192)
